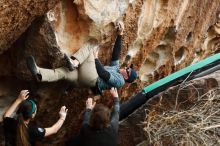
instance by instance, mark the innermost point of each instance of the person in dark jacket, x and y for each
(85, 70)
(19, 130)
(100, 126)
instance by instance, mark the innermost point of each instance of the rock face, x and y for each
(161, 37)
(16, 16)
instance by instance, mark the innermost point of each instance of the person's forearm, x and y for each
(12, 108)
(86, 116)
(116, 107)
(115, 114)
(102, 72)
(58, 124)
(55, 128)
(117, 48)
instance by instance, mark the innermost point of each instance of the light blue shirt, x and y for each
(116, 79)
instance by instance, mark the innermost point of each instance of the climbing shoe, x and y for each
(31, 64)
(69, 64)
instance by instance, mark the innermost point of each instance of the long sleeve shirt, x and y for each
(109, 76)
(103, 137)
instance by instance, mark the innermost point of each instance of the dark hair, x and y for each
(100, 117)
(24, 112)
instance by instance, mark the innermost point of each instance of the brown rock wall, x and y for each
(17, 15)
(184, 25)
(160, 37)
(158, 34)
(39, 40)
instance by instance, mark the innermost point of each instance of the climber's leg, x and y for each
(52, 75)
(83, 53)
(87, 72)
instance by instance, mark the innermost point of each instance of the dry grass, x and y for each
(198, 125)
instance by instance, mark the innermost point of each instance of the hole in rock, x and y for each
(170, 35)
(189, 37)
(211, 32)
(148, 66)
(180, 55)
(213, 44)
(126, 61)
(153, 56)
(146, 77)
(165, 53)
(127, 58)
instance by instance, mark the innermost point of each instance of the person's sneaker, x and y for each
(69, 64)
(31, 64)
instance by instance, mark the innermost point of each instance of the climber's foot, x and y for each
(71, 64)
(31, 64)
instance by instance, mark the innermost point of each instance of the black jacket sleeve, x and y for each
(36, 133)
(86, 116)
(102, 72)
(117, 49)
(115, 114)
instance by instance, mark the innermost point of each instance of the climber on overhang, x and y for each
(21, 131)
(100, 125)
(85, 70)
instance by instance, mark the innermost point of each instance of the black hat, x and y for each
(132, 76)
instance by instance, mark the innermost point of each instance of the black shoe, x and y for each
(69, 64)
(31, 64)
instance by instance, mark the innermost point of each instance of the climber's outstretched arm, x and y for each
(90, 104)
(24, 94)
(116, 109)
(117, 47)
(102, 72)
(55, 128)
